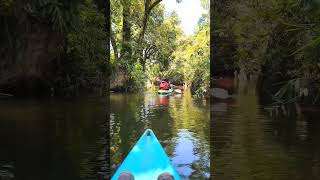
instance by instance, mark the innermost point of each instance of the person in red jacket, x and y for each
(164, 85)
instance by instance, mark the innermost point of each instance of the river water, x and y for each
(248, 143)
(67, 138)
(180, 122)
(53, 139)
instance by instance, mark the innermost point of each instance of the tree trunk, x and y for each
(148, 6)
(141, 37)
(144, 23)
(114, 46)
(212, 45)
(126, 52)
(108, 30)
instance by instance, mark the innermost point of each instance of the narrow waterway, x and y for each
(180, 122)
(52, 139)
(247, 143)
(66, 138)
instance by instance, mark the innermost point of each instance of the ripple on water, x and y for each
(7, 171)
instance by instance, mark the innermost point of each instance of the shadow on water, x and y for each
(249, 144)
(180, 123)
(53, 139)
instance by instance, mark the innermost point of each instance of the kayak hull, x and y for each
(164, 92)
(147, 160)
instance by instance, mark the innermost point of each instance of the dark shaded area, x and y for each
(222, 44)
(273, 43)
(42, 51)
(54, 139)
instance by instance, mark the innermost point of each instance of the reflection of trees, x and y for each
(83, 131)
(248, 145)
(246, 155)
(300, 137)
(187, 115)
(56, 140)
(124, 125)
(131, 116)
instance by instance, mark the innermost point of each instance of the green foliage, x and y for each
(187, 57)
(86, 45)
(278, 40)
(175, 75)
(193, 58)
(6, 6)
(87, 42)
(61, 15)
(289, 92)
(138, 76)
(161, 50)
(166, 51)
(153, 71)
(53, 44)
(205, 4)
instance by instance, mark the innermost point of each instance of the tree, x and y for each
(46, 52)
(149, 5)
(277, 40)
(153, 56)
(36, 33)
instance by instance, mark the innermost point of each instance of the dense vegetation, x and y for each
(53, 46)
(277, 41)
(152, 44)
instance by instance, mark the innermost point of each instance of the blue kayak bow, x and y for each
(147, 160)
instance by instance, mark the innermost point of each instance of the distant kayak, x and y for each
(147, 160)
(178, 91)
(164, 92)
(219, 93)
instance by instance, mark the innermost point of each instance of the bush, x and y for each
(138, 77)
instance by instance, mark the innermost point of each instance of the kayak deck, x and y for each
(147, 160)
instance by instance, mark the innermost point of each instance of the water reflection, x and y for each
(249, 144)
(219, 107)
(53, 138)
(164, 100)
(180, 123)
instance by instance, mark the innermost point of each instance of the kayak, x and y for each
(219, 93)
(178, 91)
(147, 160)
(165, 91)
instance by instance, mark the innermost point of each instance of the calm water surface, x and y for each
(53, 139)
(180, 122)
(248, 144)
(66, 139)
